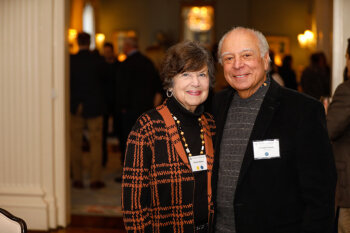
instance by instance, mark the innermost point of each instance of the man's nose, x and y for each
(237, 63)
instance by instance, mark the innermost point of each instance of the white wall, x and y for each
(323, 15)
(341, 31)
(33, 164)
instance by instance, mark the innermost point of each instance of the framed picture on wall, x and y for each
(280, 45)
(197, 23)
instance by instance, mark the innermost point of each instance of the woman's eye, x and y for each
(202, 74)
(185, 74)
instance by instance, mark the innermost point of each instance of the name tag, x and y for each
(198, 163)
(266, 149)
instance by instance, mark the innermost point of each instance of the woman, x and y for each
(169, 157)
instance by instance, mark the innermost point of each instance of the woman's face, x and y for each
(191, 88)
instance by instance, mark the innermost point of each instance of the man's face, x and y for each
(244, 68)
(108, 52)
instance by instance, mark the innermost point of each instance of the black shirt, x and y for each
(191, 128)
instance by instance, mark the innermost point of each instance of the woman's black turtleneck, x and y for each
(191, 128)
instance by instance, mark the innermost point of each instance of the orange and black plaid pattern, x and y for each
(158, 183)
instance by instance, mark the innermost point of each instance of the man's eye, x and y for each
(247, 55)
(228, 58)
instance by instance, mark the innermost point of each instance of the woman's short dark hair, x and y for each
(185, 56)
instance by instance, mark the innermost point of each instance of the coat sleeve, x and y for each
(316, 171)
(136, 182)
(338, 117)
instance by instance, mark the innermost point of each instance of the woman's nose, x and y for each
(195, 80)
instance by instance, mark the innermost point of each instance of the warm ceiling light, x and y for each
(100, 37)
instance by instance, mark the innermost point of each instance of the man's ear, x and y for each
(266, 60)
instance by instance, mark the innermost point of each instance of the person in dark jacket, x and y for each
(338, 122)
(109, 88)
(137, 85)
(315, 79)
(87, 108)
(287, 73)
(274, 168)
(169, 156)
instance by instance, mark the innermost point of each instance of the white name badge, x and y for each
(266, 149)
(198, 163)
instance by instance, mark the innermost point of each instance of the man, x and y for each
(109, 88)
(86, 107)
(138, 88)
(274, 169)
(338, 121)
(315, 79)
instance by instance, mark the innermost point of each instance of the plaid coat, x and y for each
(158, 183)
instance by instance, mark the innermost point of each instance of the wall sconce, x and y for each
(278, 60)
(307, 40)
(72, 41)
(72, 35)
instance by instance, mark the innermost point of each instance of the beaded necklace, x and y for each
(182, 135)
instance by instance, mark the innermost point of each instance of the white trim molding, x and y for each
(341, 32)
(33, 155)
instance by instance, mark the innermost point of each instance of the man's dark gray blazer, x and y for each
(293, 193)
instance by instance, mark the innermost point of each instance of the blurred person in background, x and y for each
(87, 109)
(338, 121)
(287, 73)
(273, 69)
(110, 122)
(315, 79)
(137, 88)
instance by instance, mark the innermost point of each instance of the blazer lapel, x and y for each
(220, 117)
(262, 123)
(222, 104)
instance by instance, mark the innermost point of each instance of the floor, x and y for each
(97, 211)
(106, 201)
(91, 224)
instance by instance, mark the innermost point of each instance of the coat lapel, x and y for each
(261, 125)
(222, 104)
(174, 135)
